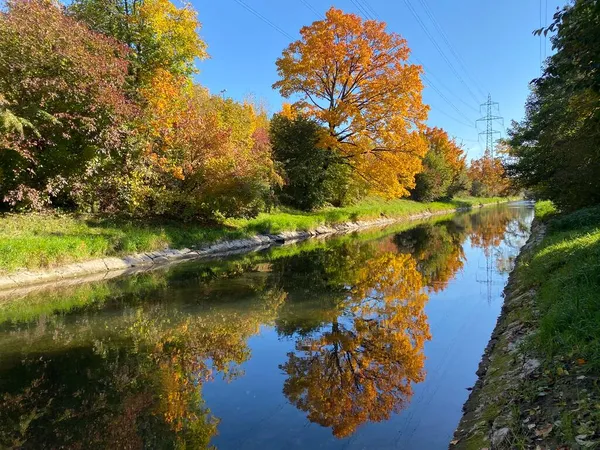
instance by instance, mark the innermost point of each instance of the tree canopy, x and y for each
(556, 148)
(353, 77)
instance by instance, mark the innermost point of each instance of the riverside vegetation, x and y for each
(539, 385)
(103, 127)
(42, 240)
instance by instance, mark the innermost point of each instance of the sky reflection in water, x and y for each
(362, 341)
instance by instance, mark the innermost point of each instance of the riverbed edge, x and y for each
(505, 366)
(114, 266)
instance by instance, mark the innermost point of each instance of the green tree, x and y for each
(313, 175)
(556, 148)
(63, 109)
(160, 35)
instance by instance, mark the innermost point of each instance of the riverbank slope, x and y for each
(538, 383)
(39, 248)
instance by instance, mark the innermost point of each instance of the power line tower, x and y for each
(491, 109)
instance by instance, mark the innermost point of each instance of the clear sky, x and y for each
(493, 39)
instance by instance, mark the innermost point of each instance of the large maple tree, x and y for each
(355, 79)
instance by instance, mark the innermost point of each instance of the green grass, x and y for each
(545, 210)
(36, 241)
(566, 270)
(51, 301)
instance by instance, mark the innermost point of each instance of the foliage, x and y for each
(545, 210)
(206, 156)
(62, 109)
(353, 78)
(160, 35)
(313, 176)
(44, 240)
(488, 177)
(197, 155)
(444, 169)
(556, 147)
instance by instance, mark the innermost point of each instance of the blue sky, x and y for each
(492, 38)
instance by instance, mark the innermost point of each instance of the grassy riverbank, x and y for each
(37, 241)
(539, 380)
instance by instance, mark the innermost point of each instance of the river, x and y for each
(362, 341)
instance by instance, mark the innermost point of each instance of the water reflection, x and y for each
(123, 363)
(360, 367)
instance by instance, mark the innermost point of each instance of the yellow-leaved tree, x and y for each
(354, 78)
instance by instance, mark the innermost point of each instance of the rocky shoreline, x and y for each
(109, 267)
(484, 424)
(521, 399)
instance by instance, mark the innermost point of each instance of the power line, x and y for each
(362, 9)
(468, 122)
(370, 8)
(442, 33)
(454, 118)
(489, 119)
(452, 105)
(438, 48)
(439, 92)
(264, 19)
(309, 6)
(440, 83)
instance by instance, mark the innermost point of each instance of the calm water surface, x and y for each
(366, 341)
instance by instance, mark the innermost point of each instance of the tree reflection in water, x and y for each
(122, 364)
(139, 387)
(360, 368)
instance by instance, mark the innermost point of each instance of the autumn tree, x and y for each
(159, 34)
(362, 369)
(488, 176)
(353, 78)
(63, 111)
(205, 155)
(444, 168)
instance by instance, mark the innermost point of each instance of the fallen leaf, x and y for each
(581, 361)
(544, 431)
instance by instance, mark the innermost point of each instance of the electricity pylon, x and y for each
(489, 119)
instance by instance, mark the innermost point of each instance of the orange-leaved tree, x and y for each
(207, 155)
(361, 369)
(488, 176)
(354, 78)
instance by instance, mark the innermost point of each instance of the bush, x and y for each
(62, 105)
(313, 176)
